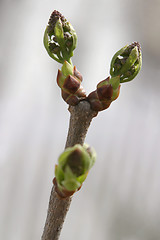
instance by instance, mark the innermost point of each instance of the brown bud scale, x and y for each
(96, 105)
(74, 161)
(59, 76)
(71, 84)
(77, 74)
(70, 98)
(105, 92)
(81, 93)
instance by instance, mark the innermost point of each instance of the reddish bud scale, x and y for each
(105, 92)
(96, 103)
(74, 99)
(71, 84)
(59, 77)
(77, 74)
(71, 99)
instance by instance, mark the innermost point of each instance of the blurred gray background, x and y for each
(120, 199)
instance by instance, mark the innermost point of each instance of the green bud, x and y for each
(127, 62)
(73, 166)
(61, 32)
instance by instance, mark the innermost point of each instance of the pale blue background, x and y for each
(120, 199)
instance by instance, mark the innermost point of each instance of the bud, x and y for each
(106, 92)
(127, 62)
(72, 169)
(69, 80)
(60, 38)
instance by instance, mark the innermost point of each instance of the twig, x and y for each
(60, 40)
(81, 117)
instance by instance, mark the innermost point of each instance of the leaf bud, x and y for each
(72, 169)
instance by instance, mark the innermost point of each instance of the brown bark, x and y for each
(81, 117)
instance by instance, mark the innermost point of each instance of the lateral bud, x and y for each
(69, 80)
(72, 169)
(106, 92)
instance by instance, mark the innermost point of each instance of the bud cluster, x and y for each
(72, 169)
(127, 62)
(60, 38)
(106, 92)
(69, 80)
(125, 65)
